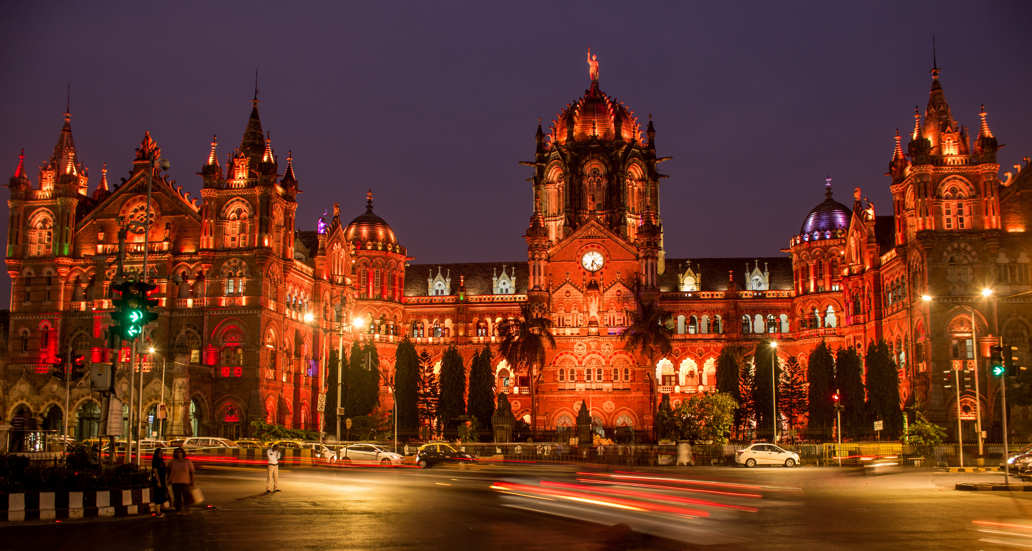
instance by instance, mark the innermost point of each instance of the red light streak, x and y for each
(674, 488)
(598, 500)
(647, 495)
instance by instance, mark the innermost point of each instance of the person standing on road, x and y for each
(272, 479)
(159, 481)
(181, 476)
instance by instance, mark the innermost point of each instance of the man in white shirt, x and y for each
(272, 480)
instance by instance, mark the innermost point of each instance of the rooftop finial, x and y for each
(254, 101)
(20, 171)
(212, 157)
(103, 178)
(897, 151)
(935, 61)
(827, 186)
(68, 101)
(917, 123)
(369, 200)
(267, 156)
(592, 66)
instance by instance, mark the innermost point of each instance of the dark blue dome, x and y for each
(827, 218)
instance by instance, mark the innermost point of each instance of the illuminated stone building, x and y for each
(251, 306)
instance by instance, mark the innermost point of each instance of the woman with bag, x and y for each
(181, 476)
(159, 482)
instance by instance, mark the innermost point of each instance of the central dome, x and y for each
(827, 218)
(595, 116)
(370, 228)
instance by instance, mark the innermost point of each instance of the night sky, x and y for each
(433, 104)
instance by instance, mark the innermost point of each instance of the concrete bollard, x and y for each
(104, 508)
(127, 502)
(75, 509)
(47, 507)
(16, 507)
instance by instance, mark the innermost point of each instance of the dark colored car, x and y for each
(429, 455)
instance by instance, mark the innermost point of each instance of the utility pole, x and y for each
(978, 394)
(68, 389)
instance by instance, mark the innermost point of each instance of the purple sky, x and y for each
(434, 106)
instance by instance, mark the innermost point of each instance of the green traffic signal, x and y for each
(132, 309)
(996, 361)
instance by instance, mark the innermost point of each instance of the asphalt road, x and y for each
(556, 508)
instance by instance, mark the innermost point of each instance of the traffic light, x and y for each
(79, 367)
(58, 370)
(836, 400)
(996, 361)
(1013, 360)
(132, 309)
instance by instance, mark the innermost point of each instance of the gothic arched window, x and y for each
(41, 234)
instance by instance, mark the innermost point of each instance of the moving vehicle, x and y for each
(1021, 461)
(320, 451)
(434, 453)
(203, 443)
(250, 444)
(369, 453)
(766, 454)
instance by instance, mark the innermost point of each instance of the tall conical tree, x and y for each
(883, 390)
(452, 404)
(729, 371)
(429, 394)
(406, 382)
(481, 389)
(363, 380)
(850, 384)
(792, 392)
(333, 369)
(765, 360)
(820, 373)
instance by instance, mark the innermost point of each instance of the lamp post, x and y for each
(927, 299)
(774, 387)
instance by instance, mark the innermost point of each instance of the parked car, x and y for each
(285, 445)
(320, 451)
(766, 454)
(369, 453)
(434, 453)
(203, 443)
(150, 444)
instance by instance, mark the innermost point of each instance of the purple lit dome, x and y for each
(827, 218)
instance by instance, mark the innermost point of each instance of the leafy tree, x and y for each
(481, 388)
(648, 337)
(793, 400)
(820, 374)
(363, 380)
(729, 371)
(850, 384)
(746, 408)
(924, 435)
(524, 342)
(406, 381)
(333, 367)
(468, 429)
(765, 360)
(428, 394)
(666, 424)
(706, 417)
(883, 389)
(452, 404)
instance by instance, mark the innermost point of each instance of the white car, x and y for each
(766, 454)
(369, 453)
(319, 451)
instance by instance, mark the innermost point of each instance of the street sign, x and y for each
(162, 412)
(341, 411)
(321, 404)
(114, 424)
(879, 425)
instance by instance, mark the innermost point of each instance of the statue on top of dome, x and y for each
(592, 66)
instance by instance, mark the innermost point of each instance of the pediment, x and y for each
(592, 231)
(171, 201)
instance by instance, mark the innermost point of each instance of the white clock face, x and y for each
(592, 261)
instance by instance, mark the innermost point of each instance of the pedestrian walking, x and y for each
(159, 481)
(272, 479)
(181, 476)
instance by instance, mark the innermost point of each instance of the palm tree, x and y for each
(523, 344)
(649, 337)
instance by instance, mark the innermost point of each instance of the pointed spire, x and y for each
(267, 156)
(897, 151)
(984, 130)
(19, 173)
(917, 124)
(103, 179)
(827, 187)
(253, 142)
(288, 175)
(369, 201)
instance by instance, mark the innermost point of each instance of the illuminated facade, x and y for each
(251, 306)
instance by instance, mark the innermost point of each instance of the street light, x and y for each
(774, 386)
(309, 317)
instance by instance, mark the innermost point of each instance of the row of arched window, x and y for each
(699, 325)
(760, 324)
(592, 374)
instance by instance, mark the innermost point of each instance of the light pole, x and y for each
(161, 402)
(774, 387)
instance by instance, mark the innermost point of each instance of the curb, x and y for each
(966, 487)
(974, 469)
(66, 505)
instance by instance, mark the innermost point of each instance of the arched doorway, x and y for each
(87, 423)
(196, 413)
(151, 423)
(53, 419)
(22, 422)
(229, 422)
